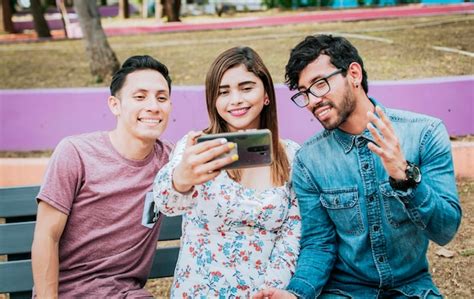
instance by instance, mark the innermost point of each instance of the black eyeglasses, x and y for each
(317, 89)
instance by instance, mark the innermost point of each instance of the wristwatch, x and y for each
(413, 174)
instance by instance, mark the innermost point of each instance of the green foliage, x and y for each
(98, 79)
(284, 3)
(313, 3)
(269, 3)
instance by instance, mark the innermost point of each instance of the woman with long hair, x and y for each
(241, 228)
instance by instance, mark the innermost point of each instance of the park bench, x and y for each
(18, 208)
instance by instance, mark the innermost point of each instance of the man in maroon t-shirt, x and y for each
(94, 235)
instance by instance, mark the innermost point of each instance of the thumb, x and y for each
(192, 136)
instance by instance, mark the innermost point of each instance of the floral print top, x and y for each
(236, 240)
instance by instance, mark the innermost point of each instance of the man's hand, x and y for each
(388, 146)
(273, 293)
(198, 164)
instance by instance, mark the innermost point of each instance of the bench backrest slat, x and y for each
(18, 201)
(16, 237)
(16, 276)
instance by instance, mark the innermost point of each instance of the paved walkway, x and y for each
(261, 21)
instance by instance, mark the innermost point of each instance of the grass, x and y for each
(392, 49)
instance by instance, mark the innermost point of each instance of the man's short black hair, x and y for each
(341, 52)
(135, 63)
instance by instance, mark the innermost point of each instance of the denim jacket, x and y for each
(361, 238)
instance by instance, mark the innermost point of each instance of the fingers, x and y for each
(202, 173)
(215, 145)
(379, 140)
(267, 293)
(210, 155)
(382, 123)
(387, 145)
(375, 149)
(382, 146)
(384, 118)
(202, 161)
(216, 164)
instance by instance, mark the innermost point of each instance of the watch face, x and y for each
(416, 174)
(413, 173)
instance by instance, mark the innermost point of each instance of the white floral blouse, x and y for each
(236, 240)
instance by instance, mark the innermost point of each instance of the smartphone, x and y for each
(254, 147)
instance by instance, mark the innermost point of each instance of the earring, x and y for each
(356, 85)
(266, 102)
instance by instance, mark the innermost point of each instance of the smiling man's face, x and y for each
(332, 109)
(143, 105)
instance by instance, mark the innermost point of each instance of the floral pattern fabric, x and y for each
(236, 240)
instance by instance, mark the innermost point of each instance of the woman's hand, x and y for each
(199, 164)
(273, 293)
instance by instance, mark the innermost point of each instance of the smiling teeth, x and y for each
(324, 112)
(153, 121)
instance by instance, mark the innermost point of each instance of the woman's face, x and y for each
(241, 99)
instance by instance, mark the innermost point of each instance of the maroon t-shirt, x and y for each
(105, 251)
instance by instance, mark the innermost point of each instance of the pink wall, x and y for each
(38, 119)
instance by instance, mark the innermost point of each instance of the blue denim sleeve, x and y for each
(318, 238)
(434, 204)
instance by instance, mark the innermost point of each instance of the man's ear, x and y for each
(354, 74)
(114, 105)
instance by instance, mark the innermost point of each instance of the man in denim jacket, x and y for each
(374, 187)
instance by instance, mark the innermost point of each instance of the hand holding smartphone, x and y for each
(254, 147)
(202, 162)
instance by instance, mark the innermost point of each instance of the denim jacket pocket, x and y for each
(343, 207)
(394, 208)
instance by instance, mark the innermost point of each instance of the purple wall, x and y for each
(38, 119)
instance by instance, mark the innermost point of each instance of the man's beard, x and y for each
(344, 110)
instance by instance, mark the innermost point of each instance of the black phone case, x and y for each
(254, 147)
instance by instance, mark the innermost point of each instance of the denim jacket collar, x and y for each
(347, 141)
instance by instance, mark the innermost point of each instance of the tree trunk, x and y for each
(41, 26)
(177, 10)
(158, 9)
(144, 9)
(61, 5)
(6, 23)
(124, 9)
(171, 9)
(102, 60)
